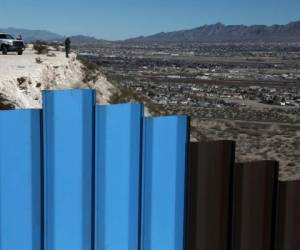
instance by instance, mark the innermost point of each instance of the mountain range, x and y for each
(229, 33)
(44, 35)
(32, 35)
(208, 33)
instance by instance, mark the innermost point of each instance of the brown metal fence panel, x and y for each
(254, 205)
(209, 194)
(288, 216)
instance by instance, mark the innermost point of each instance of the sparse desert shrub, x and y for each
(51, 55)
(21, 80)
(91, 66)
(90, 70)
(41, 47)
(291, 164)
(5, 104)
(38, 60)
(122, 96)
(22, 83)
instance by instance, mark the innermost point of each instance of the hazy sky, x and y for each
(118, 19)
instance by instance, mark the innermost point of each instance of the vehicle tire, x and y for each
(20, 52)
(4, 50)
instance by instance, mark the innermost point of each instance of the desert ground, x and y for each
(22, 78)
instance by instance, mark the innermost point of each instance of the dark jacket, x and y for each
(67, 43)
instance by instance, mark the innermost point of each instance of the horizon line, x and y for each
(150, 34)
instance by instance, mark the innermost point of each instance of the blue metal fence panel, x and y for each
(164, 177)
(20, 180)
(68, 151)
(118, 158)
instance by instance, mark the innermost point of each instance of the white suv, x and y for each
(9, 44)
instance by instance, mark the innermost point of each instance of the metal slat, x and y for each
(209, 195)
(164, 180)
(20, 180)
(288, 216)
(118, 161)
(254, 205)
(69, 153)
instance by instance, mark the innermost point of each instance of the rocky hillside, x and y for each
(229, 33)
(22, 78)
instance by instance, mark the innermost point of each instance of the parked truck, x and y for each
(10, 44)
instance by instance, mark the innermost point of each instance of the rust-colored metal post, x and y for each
(288, 216)
(209, 195)
(254, 205)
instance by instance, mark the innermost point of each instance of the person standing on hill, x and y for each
(67, 46)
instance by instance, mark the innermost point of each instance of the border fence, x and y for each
(81, 176)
